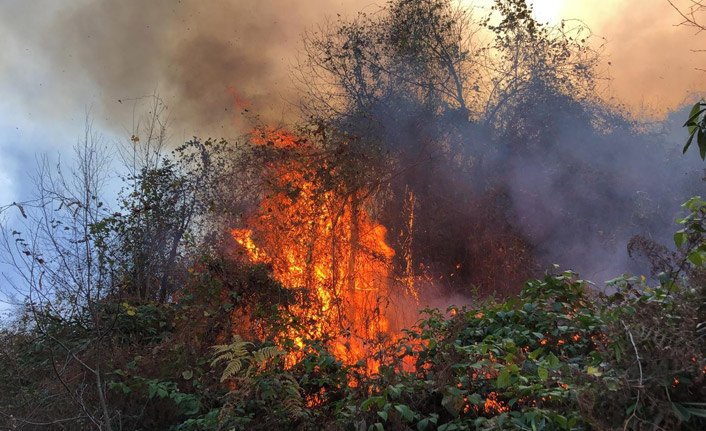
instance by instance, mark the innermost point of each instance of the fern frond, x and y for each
(260, 356)
(293, 403)
(233, 367)
(233, 354)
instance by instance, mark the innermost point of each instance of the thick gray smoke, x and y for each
(583, 201)
(207, 59)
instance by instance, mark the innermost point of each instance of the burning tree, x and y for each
(314, 229)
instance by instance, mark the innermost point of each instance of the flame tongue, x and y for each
(324, 244)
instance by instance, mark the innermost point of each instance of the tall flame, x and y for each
(321, 241)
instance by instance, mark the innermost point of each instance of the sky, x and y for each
(63, 59)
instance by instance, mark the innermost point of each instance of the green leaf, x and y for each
(395, 391)
(693, 116)
(688, 143)
(682, 412)
(535, 354)
(552, 360)
(405, 411)
(503, 379)
(383, 415)
(679, 238)
(697, 412)
(593, 371)
(475, 399)
(696, 257)
(380, 401)
(187, 375)
(542, 373)
(701, 139)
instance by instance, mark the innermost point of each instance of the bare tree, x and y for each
(692, 14)
(420, 50)
(61, 269)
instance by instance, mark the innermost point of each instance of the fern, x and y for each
(293, 403)
(262, 355)
(236, 355)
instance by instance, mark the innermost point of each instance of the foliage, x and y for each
(159, 209)
(558, 357)
(696, 124)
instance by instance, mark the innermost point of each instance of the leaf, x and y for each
(383, 415)
(552, 360)
(593, 371)
(697, 412)
(21, 208)
(701, 139)
(688, 143)
(187, 375)
(405, 411)
(380, 401)
(693, 115)
(542, 373)
(535, 354)
(503, 379)
(679, 238)
(130, 312)
(682, 412)
(475, 399)
(696, 257)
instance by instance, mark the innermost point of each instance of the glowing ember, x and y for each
(321, 242)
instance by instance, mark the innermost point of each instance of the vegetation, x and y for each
(249, 285)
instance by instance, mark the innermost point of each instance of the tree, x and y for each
(61, 269)
(165, 198)
(691, 15)
(159, 215)
(417, 50)
(529, 60)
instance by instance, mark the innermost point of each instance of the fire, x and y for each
(321, 243)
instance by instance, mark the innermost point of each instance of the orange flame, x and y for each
(321, 242)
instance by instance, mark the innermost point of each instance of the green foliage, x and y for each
(696, 125)
(558, 357)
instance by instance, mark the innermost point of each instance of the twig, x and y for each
(639, 387)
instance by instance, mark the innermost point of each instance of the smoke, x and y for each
(652, 62)
(210, 60)
(583, 201)
(106, 53)
(63, 56)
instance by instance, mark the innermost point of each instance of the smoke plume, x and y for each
(201, 57)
